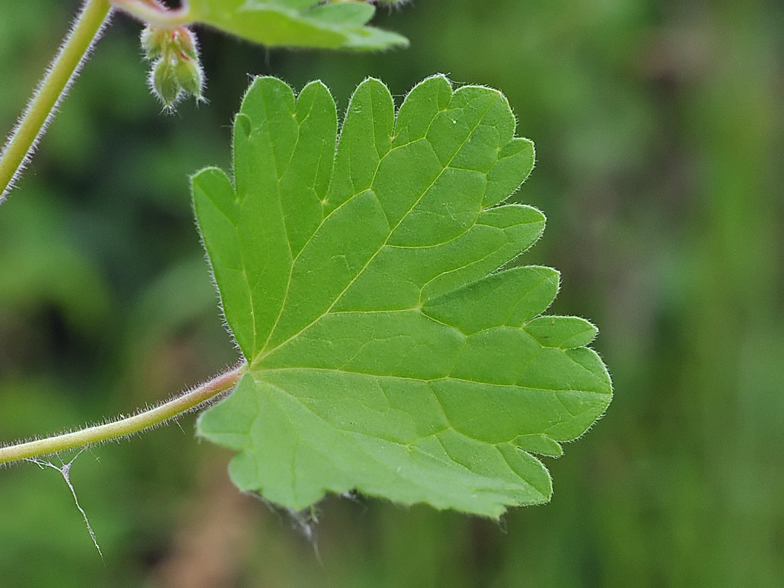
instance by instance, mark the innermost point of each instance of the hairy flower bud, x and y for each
(164, 82)
(190, 77)
(175, 70)
(153, 42)
(185, 41)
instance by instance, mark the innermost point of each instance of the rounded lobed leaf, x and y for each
(363, 278)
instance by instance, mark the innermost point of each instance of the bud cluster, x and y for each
(175, 70)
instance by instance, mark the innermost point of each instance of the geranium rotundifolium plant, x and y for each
(369, 269)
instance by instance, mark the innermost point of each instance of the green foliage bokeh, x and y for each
(659, 135)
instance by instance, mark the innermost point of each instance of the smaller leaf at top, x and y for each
(296, 23)
(393, 347)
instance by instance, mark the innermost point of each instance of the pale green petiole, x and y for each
(126, 426)
(52, 89)
(153, 13)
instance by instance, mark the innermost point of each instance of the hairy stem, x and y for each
(51, 91)
(155, 13)
(125, 426)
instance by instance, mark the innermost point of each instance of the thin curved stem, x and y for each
(123, 427)
(153, 13)
(51, 91)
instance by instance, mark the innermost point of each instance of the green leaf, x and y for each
(296, 23)
(386, 352)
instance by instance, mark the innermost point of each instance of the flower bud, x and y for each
(175, 70)
(189, 76)
(154, 42)
(184, 40)
(164, 82)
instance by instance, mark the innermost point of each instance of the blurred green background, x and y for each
(660, 135)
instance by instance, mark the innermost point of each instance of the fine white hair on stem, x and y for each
(121, 427)
(42, 87)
